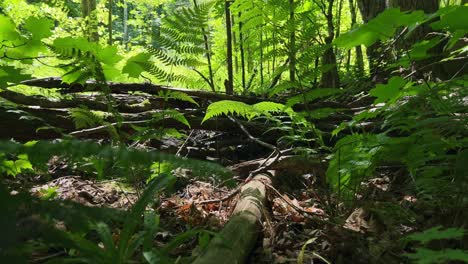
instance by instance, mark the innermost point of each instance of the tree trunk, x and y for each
(234, 243)
(370, 9)
(208, 55)
(292, 42)
(125, 26)
(229, 83)
(88, 10)
(359, 56)
(242, 54)
(109, 27)
(330, 78)
(428, 6)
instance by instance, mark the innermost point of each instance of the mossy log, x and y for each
(235, 242)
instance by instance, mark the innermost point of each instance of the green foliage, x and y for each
(180, 42)
(127, 160)
(436, 233)
(354, 160)
(88, 59)
(388, 92)
(382, 27)
(425, 255)
(84, 118)
(14, 166)
(312, 95)
(227, 107)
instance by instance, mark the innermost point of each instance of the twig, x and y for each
(256, 140)
(185, 143)
(44, 258)
(223, 199)
(87, 131)
(305, 213)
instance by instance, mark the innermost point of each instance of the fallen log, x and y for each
(291, 164)
(155, 89)
(235, 242)
(128, 103)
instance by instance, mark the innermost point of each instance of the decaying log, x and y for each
(115, 87)
(291, 164)
(154, 89)
(234, 243)
(128, 103)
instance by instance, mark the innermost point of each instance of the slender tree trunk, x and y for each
(125, 26)
(330, 78)
(261, 57)
(208, 55)
(292, 42)
(109, 27)
(229, 83)
(338, 19)
(370, 9)
(359, 56)
(88, 9)
(420, 33)
(242, 54)
(236, 47)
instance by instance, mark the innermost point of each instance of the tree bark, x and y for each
(292, 42)
(229, 83)
(428, 6)
(370, 9)
(330, 78)
(208, 55)
(234, 243)
(109, 26)
(359, 56)
(88, 9)
(125, 26)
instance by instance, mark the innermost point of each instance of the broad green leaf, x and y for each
(10, 74)
(389, 91)
(382, 27)
(452, 18)
(134, 64)
(108, 55)
(39, 27)
(8, 29)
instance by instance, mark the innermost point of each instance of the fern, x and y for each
(85, 59)
(228, 107)
(177, 96)
(126, 159)
(426, 255)
(181, 40)
(83, 117)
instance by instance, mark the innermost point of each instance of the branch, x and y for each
(254, 139)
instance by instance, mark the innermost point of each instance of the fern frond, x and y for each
(171, 114)
(228, 107)
(83, 117)
(179, 96)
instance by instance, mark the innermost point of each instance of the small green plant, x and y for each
(424, 255)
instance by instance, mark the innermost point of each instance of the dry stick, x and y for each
(87, 131)
(262, 167)
(256, 140)
(185, 143)
(261, 143)
(305, 213)
(223, 199)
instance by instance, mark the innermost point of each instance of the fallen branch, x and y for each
(234, 243)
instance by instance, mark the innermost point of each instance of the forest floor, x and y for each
(298, 225)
